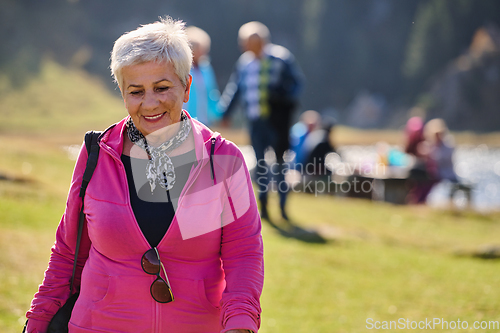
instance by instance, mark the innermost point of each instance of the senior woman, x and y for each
(168, 189)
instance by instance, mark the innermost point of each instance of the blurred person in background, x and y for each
(172, 236)
(268, 81)
(318, 144)
(204, 95)
(422, 176)
(309, 121)
(441, 150)
(310, 141)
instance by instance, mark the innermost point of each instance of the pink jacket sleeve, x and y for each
(242, 255)
(54, 290)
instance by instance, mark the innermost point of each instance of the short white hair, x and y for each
(164, 40)
(254, 28)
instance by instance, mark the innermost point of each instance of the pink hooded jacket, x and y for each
(212, 251)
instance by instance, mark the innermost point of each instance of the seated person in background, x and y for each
(308, 122)
(440, 150)
(422, 175)
(317, 145)
(310, 140)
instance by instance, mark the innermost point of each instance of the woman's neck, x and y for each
(133, 150)
(162, 135)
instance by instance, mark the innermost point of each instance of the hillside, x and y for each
(57, 102)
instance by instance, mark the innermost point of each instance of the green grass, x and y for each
(380, 261)
(376, 268)
(28, 217)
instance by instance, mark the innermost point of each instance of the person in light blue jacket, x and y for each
(204, 95)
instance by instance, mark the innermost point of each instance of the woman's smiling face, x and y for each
(153, 95)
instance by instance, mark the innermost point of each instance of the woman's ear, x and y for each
(188, 88)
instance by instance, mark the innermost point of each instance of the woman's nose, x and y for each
(150, 101)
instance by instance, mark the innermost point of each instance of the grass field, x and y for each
(378, 261)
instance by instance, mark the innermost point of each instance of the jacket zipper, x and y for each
(123, 175)
(156, 318)
(111, 152)
(212, 149)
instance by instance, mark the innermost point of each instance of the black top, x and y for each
(155, 211)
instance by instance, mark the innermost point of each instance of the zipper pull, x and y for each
(212, 148)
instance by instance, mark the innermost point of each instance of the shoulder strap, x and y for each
(92, 145)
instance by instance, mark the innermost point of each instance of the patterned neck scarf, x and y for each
(160, 168)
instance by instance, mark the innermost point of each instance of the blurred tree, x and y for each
(442, 30)
(386, 47)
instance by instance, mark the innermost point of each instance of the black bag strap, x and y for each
(92, 145)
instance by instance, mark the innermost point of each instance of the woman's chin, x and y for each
(161, 131)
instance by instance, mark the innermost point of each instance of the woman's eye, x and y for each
(136, 92)
(160, 89)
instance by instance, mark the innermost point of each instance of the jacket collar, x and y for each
(203, 138)
(113, 137)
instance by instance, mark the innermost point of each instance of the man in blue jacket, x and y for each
(268, 82)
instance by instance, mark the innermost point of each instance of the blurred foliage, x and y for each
(388, 47)
(442, 30)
